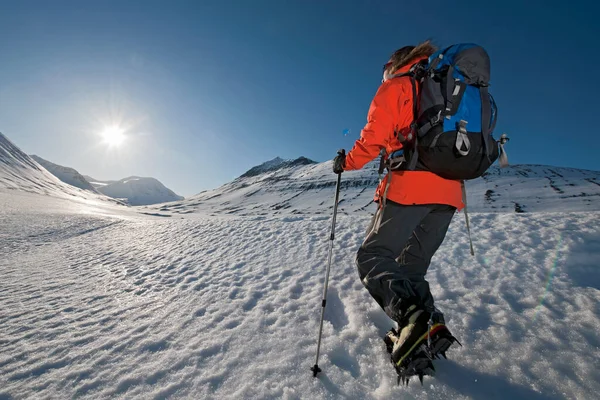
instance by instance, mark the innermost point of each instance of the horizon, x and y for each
(195, 94)
(104, 180)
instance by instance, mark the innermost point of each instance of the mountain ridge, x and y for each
(67, 175)
(139, 191)
(276, 164)
(308, 189)
(33, 174)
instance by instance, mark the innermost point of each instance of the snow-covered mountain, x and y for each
(137, 191)
(66, 174)
(276, 164)
(20, 172)
(33, 174)
(304, 187)
(97, 183)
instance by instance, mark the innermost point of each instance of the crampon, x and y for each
(420, 361)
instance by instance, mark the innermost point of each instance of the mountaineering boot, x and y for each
(439, 340)
(407, 345)
(413, 329)
(421, 337)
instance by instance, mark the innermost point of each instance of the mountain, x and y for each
(33, 174)
(20, 172)
(96, 183)
(276, 164)
(137, 191)
(305, 187)
(66, 174)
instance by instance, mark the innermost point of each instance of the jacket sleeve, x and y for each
(376, 134)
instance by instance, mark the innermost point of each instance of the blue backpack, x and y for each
(454, 115)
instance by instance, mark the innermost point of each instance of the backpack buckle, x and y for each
(414, 130)
(463, 144)
(395, 160)
(436, 119)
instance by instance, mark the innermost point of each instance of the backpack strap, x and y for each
(486, 116)
(450, 91)
(494, 114)
(440, 57)
(414, 129)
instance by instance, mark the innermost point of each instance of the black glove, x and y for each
(339, 162)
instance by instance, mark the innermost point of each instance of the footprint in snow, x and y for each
(335, 312)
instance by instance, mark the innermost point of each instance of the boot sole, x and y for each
(419, 365)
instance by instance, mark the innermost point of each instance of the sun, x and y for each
(113, 135)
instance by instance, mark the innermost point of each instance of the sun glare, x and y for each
(113, 135)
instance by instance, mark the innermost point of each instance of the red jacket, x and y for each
(392, 111)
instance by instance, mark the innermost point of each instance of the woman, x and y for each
(415, 210)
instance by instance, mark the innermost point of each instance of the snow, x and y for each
(66, 174)
(104, 301)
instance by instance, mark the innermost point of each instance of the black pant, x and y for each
(393, 260)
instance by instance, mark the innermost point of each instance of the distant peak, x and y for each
(276, 164)
(303, 161)
(272, 163)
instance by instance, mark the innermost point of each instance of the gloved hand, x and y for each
(339, 162)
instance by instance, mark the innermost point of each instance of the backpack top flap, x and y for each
(469, 60)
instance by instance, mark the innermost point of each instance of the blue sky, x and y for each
(208, 89)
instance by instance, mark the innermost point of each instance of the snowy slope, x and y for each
(19, 172)
(139, 191)
(300, 189)
(66, 174)
(228, 307)
(113, 303)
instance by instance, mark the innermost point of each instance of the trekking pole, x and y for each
(315, 369)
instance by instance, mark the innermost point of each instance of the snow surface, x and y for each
(66, 174)
(228, 307)
(104, 301)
